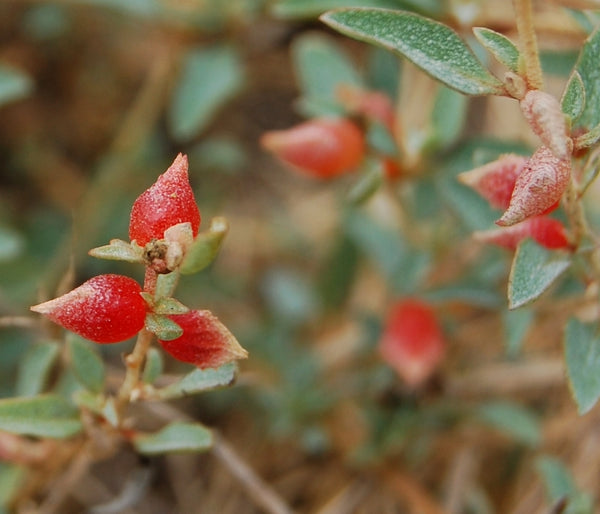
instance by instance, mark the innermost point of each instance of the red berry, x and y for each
(169, 201)
(205, 343)
(495, 181)
(324, 148)
(105, 309)
(547, 232)
(538, 188)
(412, 341)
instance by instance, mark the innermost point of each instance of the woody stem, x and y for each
(529, 49)
(135, 360)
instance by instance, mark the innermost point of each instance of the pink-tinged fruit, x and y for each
(545, 117)
(495, 181)
(538, 188)
(105, 309)
(322, 148)
(412, 342)
(547, 232)
(205, 343)
(169, 201)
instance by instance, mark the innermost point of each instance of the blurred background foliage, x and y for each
(96, 99)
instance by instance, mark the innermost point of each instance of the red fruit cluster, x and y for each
(412, 341)
(105, 309)
(169, 201)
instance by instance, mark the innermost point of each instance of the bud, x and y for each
(205, 343)
(547, 232)
(324, 147)
(412, 341)
(495, 181)
(105, 309)
(545, 117)
(169, 201)
(538, 188)
(373, 105)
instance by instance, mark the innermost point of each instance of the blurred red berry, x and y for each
(547, 232)
(412, 341)
(105, 309)
(169, 201)
(323, 148)
(373, 105)
(205, 343)
(538, 188)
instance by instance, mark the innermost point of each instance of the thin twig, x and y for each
(529, 48)
(18, 321)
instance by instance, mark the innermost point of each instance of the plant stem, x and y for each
(529, 49)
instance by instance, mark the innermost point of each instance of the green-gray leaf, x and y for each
(588, 69)
(162, 327)
(200, 380)
(205, 247)
(502, 48)
(210, 78)
(41, 416)
(118, 250)
(153, 367)
(534, 269)
(513, 420)
(573, 99)
(35, 368)
(86, 363)
(432, 46)
(582, 355)
(175, 438)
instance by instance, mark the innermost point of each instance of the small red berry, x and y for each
(538, 187)
(412, 341)
(105, 309)
(323, 148)
(547, 232)
(495, 181)
(205, 343)
(169, 201)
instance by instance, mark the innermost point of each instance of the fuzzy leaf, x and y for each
(588, 69)
(167, 306)
(40, 416)
(163, 327)
(582, 355)
(118, 250)
(205, 247)
(199, 381)
(35, 368)
(534, 269)
(589, 138)
(573, 99)
(175, 438)
(432, 46)
(210, 77)
(86, 364)
(166, 284)
(502, 48)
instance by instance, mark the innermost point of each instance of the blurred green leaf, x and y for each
(42, 416)
(502, 48)
(512, 419)
(14, 84)
(534, 269)
(175, 438)
(290, 295)
(86, 363)
(560, 484)
(321, 66)
(153, 367)
(11, 244)
(430, 45)
(447, 118)
(573, 99)
(11, 478)
(383, 71)
(588, 69)
(35, 368)
(582, 356)
(474, 211)
(312, 8)
(558, 62)
(516, 324)
(367, 184)
(337, 274)
(199, 381)
(210, 78)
